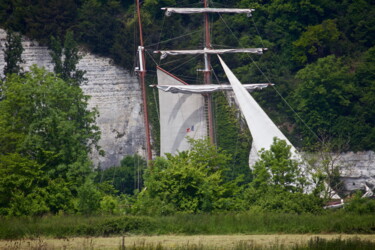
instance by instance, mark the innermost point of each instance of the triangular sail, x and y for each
(261, 127)
(181, 116)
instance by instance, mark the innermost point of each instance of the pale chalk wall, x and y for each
(114, 92)
(357, 170)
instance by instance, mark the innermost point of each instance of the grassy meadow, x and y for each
(280, 241)
(186, 224)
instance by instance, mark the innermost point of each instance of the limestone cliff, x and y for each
(114, 92)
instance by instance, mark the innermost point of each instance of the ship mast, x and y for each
(207, 75)
(207, 51)
(142, 75)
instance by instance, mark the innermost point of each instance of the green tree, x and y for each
(365, 91)
(125, 178)
(276, 170)
(191, 181)
(324, 99)
(22, 184)
(45, 121)
(317, 41)
(66, 58)
(278, 183)
(13, 54)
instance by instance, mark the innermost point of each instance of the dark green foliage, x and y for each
(359, 205)
(22, 188)
(125, 178)
(325, 97)
(317, 41)
(186, 224)
(276, 170)
(46, 134)
(278, 184)
(191, 182)
(13, 54)
(88, 198)
(233, 135)
(65, 60)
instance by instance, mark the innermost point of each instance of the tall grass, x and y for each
(188, 224)
(313, 244)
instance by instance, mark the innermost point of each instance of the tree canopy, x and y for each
(46, 134)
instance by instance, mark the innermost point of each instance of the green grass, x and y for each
(186, 224)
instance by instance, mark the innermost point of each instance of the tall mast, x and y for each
(207, 75)
(142, 74)
(207, 50)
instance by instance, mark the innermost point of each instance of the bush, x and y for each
(360, 205)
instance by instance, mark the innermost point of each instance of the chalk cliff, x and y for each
(114, 92)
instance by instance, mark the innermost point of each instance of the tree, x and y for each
(278, 183)
(324, 99)
(317, 41)
(125, 178)
(190, 181)
(13, 54)
(45, 122)
(276, 170)
(65, 59)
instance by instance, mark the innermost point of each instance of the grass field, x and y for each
(280, 241)
(186, 224)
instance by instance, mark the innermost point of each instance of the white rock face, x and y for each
(114, 92)
(357, 170)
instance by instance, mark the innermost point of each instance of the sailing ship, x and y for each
(186, 110)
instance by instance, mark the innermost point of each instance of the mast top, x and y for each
(169, 11)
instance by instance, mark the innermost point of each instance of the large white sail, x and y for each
(181, 116)
(261, 127)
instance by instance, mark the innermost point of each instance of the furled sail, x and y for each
(205, 89)
(261, 127)
(169, 11)
(181, 116)
(165, 53)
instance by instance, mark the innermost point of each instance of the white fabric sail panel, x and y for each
(204, 89)
(169, 11)
(181, 116)
(261, 127)
(165, 53)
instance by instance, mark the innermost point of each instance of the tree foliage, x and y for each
(46, 134)
(125, 178)
(13, 54)
(65, 59)
(191, 181)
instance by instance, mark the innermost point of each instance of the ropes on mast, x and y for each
(268, 79)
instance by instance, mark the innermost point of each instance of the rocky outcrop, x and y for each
(114, 92)
(357, 170)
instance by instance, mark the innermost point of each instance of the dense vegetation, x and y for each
(186, 224)
(321, 58)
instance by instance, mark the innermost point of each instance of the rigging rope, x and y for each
(267, 78)
(175, 38)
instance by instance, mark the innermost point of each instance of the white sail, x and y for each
(181, 115)
(261, 127)
(165, 53)
(207, 88)
(169, 11)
